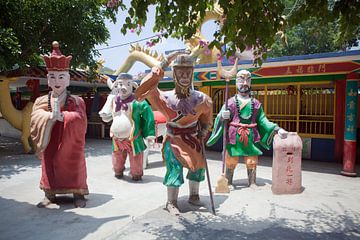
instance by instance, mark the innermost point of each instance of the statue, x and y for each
(248, 129)
(58, 128)
(189, 116)
(132, 122)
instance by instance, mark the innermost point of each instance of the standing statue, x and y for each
(133, 122)
(248, 129)
(58, 128)
(189, 116)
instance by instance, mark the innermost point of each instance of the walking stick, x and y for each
(222, 183)
(208, 176)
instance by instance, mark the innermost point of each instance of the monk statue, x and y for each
(58, 128)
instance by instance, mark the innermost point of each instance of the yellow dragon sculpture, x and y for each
(18, 119)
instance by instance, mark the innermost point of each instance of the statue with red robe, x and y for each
(58, 128)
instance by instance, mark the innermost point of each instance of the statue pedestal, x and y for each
(286, 168)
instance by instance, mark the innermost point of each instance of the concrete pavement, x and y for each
(328, 208)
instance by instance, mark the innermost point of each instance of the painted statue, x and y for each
(58, 128)
(189, 116)
(248, 131)
(132, 122)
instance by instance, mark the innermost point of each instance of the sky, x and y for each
(115, 57)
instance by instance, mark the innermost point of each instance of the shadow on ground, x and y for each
(54, 223)
(323, 223)
(14, 164)
(147, 178)
(10, 146)
(66, 201)
(306, 165)
(243, 183)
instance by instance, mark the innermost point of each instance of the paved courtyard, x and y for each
(328, 208)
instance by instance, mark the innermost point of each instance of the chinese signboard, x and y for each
(304, 69)
(351, 110)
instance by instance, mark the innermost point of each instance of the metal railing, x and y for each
(306, 108)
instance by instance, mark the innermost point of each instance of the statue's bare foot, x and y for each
(172, 208)
(119, 175)
(136, 178)
(79, 201)
(48, 199)
(195, 200)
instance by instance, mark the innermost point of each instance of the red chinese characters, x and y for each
(286, 170)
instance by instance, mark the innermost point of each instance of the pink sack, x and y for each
(286, 168)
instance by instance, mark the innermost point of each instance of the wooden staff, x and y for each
(222, 183)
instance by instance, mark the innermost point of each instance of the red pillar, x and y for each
(34, 87)
(339, 119)
(349, 157)
(36, 93)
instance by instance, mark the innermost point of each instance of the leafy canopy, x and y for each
(307, 38)
(28, 27)
(318, 33)
(246, 23)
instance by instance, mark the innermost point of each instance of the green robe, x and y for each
(143, 125)
(260, 137)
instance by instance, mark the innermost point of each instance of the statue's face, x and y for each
(58, 81)
(184, 75)
(124, 87)
(243, 82)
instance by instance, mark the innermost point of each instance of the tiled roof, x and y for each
(40, 72)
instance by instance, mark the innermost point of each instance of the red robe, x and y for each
(60, 146)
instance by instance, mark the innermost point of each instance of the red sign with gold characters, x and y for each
(320, 68)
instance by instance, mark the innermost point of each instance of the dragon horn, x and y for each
(227, 74)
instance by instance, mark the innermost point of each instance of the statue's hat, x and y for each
(57, 61)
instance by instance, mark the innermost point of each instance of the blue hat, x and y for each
(124, 76)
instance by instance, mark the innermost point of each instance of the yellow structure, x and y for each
(19, 119)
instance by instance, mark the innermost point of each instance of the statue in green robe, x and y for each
(248, 131)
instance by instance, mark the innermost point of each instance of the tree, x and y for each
(245, 23)
(318, 27)
(28, 28)
(307, 38)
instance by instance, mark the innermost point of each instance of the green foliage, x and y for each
(307, 38)
(346, 14)
(251, 23)
(318, 26)
(28, 27)
(246, 23)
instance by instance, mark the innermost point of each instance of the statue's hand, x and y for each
(225, 114)
(52, 116)
(202, 133)
(56, 114)
(282, 133)
(156, 71)
(60, 117)
(148, 83)
(106, 117)
(150, 141)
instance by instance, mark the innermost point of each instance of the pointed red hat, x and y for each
(57, 61)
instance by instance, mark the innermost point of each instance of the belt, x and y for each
(186, 135)
(243, 131)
